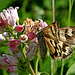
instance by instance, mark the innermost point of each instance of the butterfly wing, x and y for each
(58, 49)
(67, 34)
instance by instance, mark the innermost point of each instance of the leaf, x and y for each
(71, 70)
(45, 65)
(23, 73)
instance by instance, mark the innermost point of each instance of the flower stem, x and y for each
(36, 65)
(4, 72)
(53, 66)
(53, 62)
(62, 67)
(31, 69)
(70, 10)
(53, 10)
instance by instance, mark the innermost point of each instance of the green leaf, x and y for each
(23, 73)
(71, 70)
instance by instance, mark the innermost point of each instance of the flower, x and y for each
(13, 44)
(9, 16)
(42, 24)
(23, 38)
(19, 28)
(32, 50)
(30, 26)
(17, 54)
(31, 35)
(12, 68)
(35, 39)
(3, 24)
(8, 61)
(2, 66)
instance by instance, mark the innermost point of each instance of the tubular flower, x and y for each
(9, 16)
(13, 44)
(12, 68)
(32, 50)
(8, 61)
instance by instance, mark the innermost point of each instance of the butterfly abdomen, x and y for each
(42, 43)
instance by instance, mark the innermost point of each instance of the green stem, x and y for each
(25, 2)
(44, 72)
(62, 67)
(53, 66)
(36, 65)
(53, 62)
(23, 54)
(22, 51)
(4, 72)
(31, 69)
(70, 10)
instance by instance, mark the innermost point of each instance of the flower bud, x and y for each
(19, 28)
(31, 35)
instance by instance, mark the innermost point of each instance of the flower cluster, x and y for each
(8, 61)
(21, 39)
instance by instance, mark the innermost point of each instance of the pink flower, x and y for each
(42, 24)
(3, 24)
(17, 54)
(19, 28)
(7, 60)
(35, 39)
(31, 52)
(9, 16)
(3, 61)
(10, 59)
(13, 44)
(12, 68)
(2, 66)
(31, 36)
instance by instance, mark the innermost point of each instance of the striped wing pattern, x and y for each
(50, 36)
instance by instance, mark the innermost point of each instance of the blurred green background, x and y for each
(42, 9)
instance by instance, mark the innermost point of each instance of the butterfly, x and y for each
(59, 41)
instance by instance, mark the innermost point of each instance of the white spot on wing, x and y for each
(69, 32)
